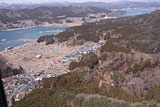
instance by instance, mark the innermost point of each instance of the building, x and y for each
(24, 88)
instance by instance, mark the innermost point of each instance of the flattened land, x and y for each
(25, 56)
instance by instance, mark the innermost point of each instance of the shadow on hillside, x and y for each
(3, 62)
(7, 70)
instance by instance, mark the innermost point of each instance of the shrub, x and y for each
(154, 94)
(88, 60)
(48, 39)
(78, 101)
(117, 77)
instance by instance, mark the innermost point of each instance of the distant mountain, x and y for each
(27, 5)
(107, 5)
(39, 15)
(121, 4)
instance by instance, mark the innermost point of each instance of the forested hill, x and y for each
(121, 4)
(45, 13)
(140, 33)
(10, 19)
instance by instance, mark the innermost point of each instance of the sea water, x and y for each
(133, 12)
(12, 38)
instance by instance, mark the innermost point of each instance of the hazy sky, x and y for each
(37, 1)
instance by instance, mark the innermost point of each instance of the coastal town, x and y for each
(57, 64)
(80, 53)
(43, 61)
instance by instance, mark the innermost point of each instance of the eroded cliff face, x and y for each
(135, 73)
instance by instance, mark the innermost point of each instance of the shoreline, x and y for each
(125, 9)
(76, 23)
(25, 55)
(46, 25)
(64, 24)
(17, 47)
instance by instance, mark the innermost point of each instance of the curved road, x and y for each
(10, 98)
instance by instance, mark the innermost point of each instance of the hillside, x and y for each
(125, 71)
(10, 19)
(6, 69)
(102, 84)
(121, 4)
(140, 33)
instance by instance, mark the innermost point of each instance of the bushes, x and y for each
(88, 60)
(88, 37)
(41, 39)
(117, 77)
(99, 102)
(75, 84)
(47, 39)
(110, 47)
(104, 102)
(9, 71)
(140, 66)
(65, 35)
(78, 102)
(74, 65)
(154, 94)
(116, 92)
(69, 21)
(82, 33)
(6, 69)
(43, 98)
(137, 67)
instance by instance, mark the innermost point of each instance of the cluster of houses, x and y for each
(32, 79)
(87, 48)
(27, 82)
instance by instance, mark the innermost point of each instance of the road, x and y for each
(10, 98)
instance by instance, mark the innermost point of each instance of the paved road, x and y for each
(10, 99)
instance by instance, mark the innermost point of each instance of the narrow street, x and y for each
(10, 98)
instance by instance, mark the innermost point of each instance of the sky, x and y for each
(39, 1)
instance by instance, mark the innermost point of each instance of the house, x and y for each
(24, 88)
(9, 48)
(38, 79)
(38, 56)
(33, 86)
(17, 97)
